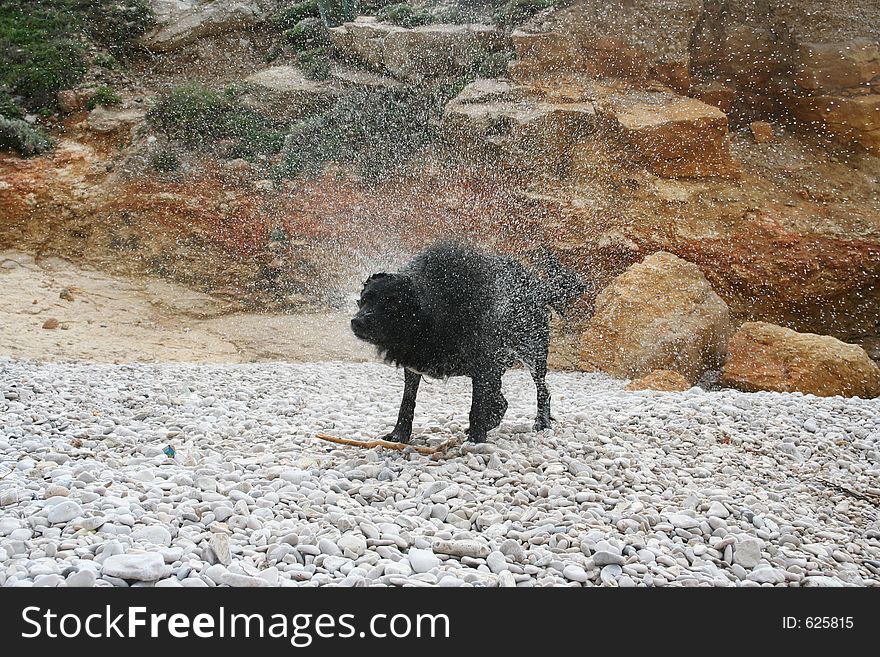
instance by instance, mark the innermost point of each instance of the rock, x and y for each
(717, 510)
(284, 93)
(638, 39)
(768, 357)
(826, 54)
(604, 558)
(837, 65)
(659, 314)
(426, 51)
(496, 562)
(513, 549)
(235, 579)
(762, 132)
(496, 119)
(854, 119)
(462, 548)
(82, 579)
(682, 521)
(543, 52)
(610, 573)
(103, 119)
(219, 552)
(352, 543)
(143, 567)
(422, 561)
(575, 573)
(675, 136)
(326, 546)
(153, 535)
(170, 583)
(663, 380)
(51, 323)
(9, 525)
(185, 21)
(815, 581)
(747, 552)
(506, 580)
(223, 513)
(351, 77)
(63, 512)
(767, 576)
(714, 93)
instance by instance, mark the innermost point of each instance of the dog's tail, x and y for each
(562, 285)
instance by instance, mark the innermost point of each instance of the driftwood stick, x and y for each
(369, 444)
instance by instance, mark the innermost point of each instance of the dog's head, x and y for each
(389, 311)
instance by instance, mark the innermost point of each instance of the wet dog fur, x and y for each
(454, 310)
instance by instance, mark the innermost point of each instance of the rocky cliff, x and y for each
(741, 137)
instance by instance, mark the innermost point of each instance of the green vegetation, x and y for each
(43, 43)
(165, 160)
(494, 65)
(308, 34)
(404, 15)
(40, 52)
(19, 136)
(376, 131)
(514, 12)
(104, 96)
(105, 61)
(279, 235)
(315, 63)
(196, 116)
(114, 24)
(337, 12)
(290, 16)
(8, 108)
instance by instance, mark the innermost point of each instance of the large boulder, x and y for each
(285, 93)
(675, 136)
(181, 22)
(659, 314)
(502, 120)
(644, 39)
(765, 356)
(419, 53)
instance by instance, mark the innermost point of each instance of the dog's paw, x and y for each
(475, 436)
(541, 424)
(396, 437)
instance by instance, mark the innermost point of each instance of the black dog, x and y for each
(457, 311)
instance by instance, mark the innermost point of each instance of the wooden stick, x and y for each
(369, 444)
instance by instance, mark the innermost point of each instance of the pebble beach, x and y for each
(211, 475)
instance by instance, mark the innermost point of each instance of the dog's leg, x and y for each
(487, 406)
(539, 371)
(403, 429)
(497, 410)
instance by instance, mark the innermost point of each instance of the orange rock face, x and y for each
(854, 119)
(677, 137)
(764, 356)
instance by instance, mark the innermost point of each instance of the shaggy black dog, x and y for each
(458, 311)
